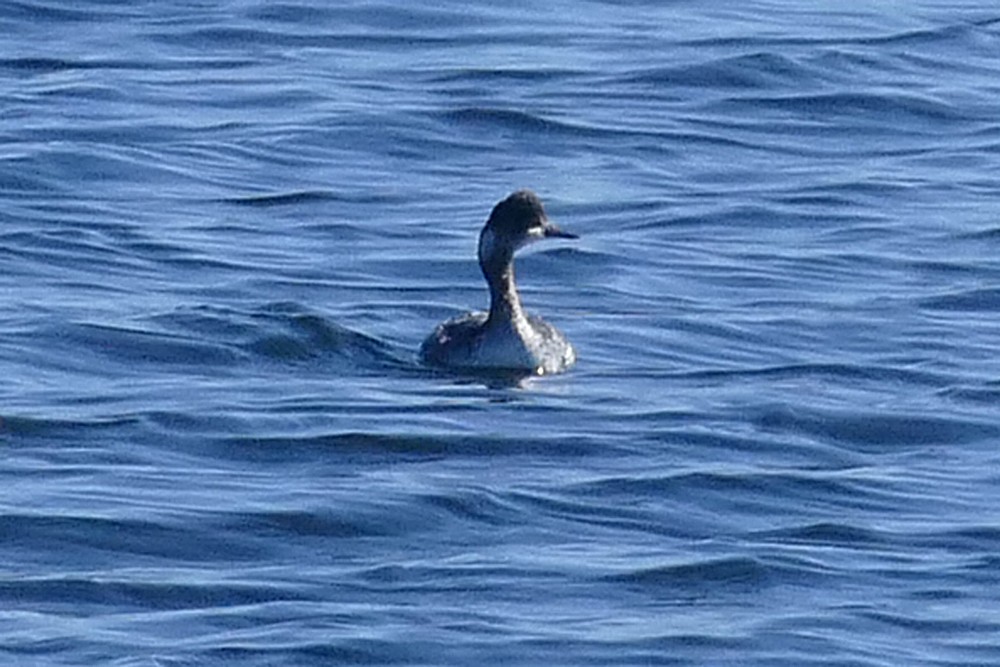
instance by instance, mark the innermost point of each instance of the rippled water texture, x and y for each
(226, 227)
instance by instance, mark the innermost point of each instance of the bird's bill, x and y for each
(550, 231)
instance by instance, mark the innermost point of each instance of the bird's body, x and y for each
(470, 341)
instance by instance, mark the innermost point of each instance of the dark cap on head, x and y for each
(517, 213)
(520, 219)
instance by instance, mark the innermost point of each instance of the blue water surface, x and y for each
(226, 227)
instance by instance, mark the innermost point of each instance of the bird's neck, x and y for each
(497, 264)
(505, 303)
(496, 259)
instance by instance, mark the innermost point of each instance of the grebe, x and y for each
(505, 338)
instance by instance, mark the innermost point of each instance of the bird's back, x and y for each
(454, 342)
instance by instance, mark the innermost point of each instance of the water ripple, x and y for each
(225, 231)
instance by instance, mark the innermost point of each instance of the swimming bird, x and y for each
(505, 338)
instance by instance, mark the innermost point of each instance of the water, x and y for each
(226, 227)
